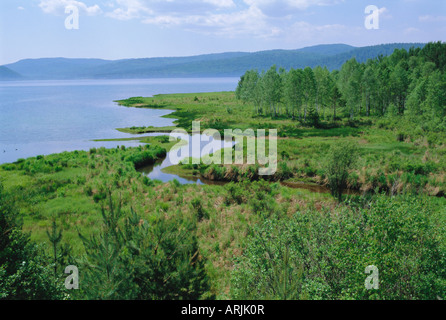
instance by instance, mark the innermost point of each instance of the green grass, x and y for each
(69, 196)
(70, 187)
(161, 141)
(384, 160)
(141, 130)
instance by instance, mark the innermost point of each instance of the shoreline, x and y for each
(302, 156)
(386, 163)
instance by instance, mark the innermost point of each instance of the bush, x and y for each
(99, 196)
(215, 172)
(340, 160)
(234, 193)
(133, 259)
(199, 210)
(163, 139)
(313, 118)
(25, 270)
(284, 171)
(401, 136)
(88, 190)
(322, 255)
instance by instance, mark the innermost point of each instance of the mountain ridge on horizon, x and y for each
(223, 64)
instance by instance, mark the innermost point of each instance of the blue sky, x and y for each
(116, 29)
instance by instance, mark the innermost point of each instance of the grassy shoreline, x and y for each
(387, 164)
(71, 187)
(375, 128)
(162, 141)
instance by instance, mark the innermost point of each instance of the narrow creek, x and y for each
(155, 171)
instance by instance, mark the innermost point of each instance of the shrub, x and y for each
(215, 172)
(133, 259)
(99, 196)
(163, 139)
(234, 193)
(321, 255)
(401, 136)
(284, 171)
(340, 159)
(313, 118)
(88, 190)
(199, 210)
(26, 272)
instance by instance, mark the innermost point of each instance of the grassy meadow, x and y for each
(249, 238)
(387, 162)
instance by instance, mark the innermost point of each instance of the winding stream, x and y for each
(155, 171)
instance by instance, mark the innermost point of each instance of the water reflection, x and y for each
(194, 148)
(155, 171)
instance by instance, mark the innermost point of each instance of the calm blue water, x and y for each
(206, 145)
(44, 117)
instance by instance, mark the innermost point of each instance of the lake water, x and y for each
(44, 117)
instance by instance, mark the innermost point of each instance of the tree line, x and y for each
(411, 83)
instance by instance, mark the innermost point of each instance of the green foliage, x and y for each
(198, 207)
(313, 117)
(323, 255)
(235, 193)
(55, 237)
(340, 161)
(409, 83)
(25, 273)
(146, 157)
(390, 111)
(132, 258)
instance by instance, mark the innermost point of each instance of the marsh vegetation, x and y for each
(377, 128)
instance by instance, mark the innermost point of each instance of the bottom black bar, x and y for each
(221, 309)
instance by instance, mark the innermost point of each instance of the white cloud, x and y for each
(20, 8)
(229, 18)
(284, 8)
(221, 3)
(58, 7)
(304, 31)
(259, 18)
(384, 13)
(203, 16)
(411, 30)
(250, 21)
(129, 9)
(429, 18)
(297, 4)
(383, 10)
(175, 6)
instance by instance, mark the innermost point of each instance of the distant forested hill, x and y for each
(328, 49)
(209, 65)
(365, 53)
(55, 68)
(8, 74)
